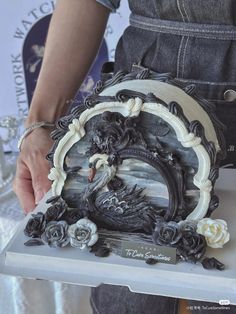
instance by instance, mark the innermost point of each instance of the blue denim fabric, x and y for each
(110, 4)
(190, 55)
(196, 42)
(107, 299)
(193, 40)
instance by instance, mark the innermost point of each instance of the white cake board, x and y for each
(182, 280)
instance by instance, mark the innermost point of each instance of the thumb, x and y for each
(40, 181)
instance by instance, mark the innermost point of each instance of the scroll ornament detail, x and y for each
(191, 140)
(56, 174)
(135, 106)
(77, 127)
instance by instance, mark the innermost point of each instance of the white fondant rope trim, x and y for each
(129, 109)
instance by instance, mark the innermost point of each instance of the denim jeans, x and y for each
(196, 42)
(193, 40)
(107, 299)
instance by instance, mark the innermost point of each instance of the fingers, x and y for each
(22, 186)
(39, 169)
(31, 182)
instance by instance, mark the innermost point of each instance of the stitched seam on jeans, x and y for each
(190, 30)
(208, 83)
(185, 11)
(204, 36)
(184, 55)
(183, 31)
(186, 28)
(94, 306)
(180, 11)
(179, 56)
(164, 29)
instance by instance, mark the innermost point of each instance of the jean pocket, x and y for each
(226, 113)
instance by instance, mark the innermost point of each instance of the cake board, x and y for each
(182, 280)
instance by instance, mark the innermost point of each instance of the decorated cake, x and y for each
(136, 162)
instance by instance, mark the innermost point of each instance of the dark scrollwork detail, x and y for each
(125, 94)
(50, 155)
(58, 134)
(210, 147)
(150, 97)
(76, 111)
(198, 130)
(144, 74)
(214, 203)
(63, 123)
(92, 100)
(176, 109)
(117, 78)
(161, 77)
(190, 89)
(98, 87)
(214, 174)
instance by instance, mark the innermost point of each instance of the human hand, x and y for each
(31, 180)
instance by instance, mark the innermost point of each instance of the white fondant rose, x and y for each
(83, 233)
(214, 230)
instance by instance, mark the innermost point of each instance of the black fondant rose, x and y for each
(166, 233)
(188, 225)
(35, 226)
(56, 211)
(55, 234)
(72, 216)
(192, 246)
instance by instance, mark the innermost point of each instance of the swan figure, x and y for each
(114, 205)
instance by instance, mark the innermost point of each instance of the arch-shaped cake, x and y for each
(159, 145)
